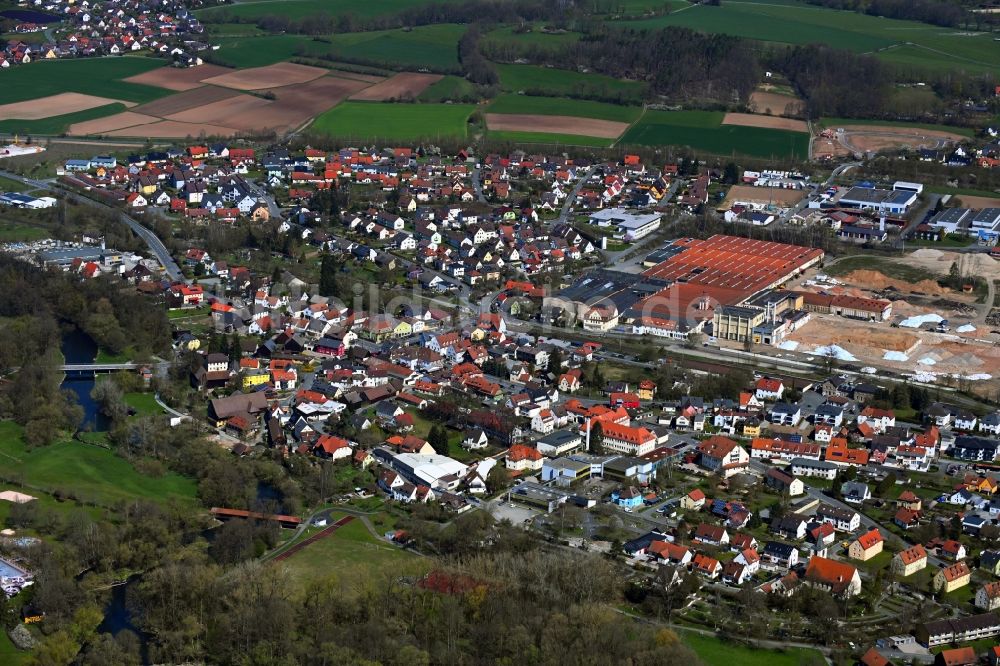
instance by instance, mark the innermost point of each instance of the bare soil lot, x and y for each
(180, 79)
(183, 101)
(171, 129)
(271, 76)
(775, 104)
(401, 86)
(979, 202)
(344, 74)
(762, 195)
(767, 122)
(55, 105)
(111, 123)
(516, 122)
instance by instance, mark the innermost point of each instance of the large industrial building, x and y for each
(698, 282)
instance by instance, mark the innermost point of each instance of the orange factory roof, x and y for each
(733, 263)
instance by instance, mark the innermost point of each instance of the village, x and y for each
(484, 335)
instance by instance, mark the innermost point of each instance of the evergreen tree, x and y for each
(438, 439)
(328, 276)
(596, 438)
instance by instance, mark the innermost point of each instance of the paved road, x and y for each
(154, 244)
(477, 185)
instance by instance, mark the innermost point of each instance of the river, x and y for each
(78, 347)
(118, 618)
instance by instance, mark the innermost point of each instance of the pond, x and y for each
(78, 347)
(29, 16)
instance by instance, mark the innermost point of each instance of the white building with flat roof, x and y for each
(628, 226)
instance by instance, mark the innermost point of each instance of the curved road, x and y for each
(155, 245)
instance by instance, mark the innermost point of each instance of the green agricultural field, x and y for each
(798, 23)
(432, 46)
(91, 76)
(58, 124)
(300, 9)
(448, 88)
(563, 82)
(551, 139)
(560, 106)
(89, 472)
(260, 51)
(704, 131)
(371, 121)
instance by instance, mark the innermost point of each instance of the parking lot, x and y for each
(516, 514)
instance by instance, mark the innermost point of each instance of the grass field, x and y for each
(58, 124)
(560, 106)
(91, 76)
(563, 82)
(554, 139)
(715, 652)
(300, 9)
(448, 88)
(12, 232)
(351, 554)
(10, 655)
(89, 472)
(8, 185)
(536, 38)
(408, 122)
(704, 131)
(798, 23)
(143, 403)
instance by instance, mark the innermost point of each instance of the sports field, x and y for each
(92, 76)
(799, 23)
(704, 131)
(374, 121)
(563, 82)
(89, 472)
(560, 106)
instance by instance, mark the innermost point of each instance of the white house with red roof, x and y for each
(723, 455)
(768, 388)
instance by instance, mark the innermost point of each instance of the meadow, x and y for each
(351, 554)
(88, 472)
(703, 131)
(560, 106)
(92, 76)
(715, 652)
(404, 122)
(798, 23)
(58, 124)
(300, 9)
(563, 82)
(448, 88)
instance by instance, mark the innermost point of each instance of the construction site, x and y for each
(936, 332)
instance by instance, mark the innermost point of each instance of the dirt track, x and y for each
(401, 86)
(54, 105)
(516, 122)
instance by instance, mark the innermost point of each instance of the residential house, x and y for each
(952, 577)
(866, 546)
(910, 561)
